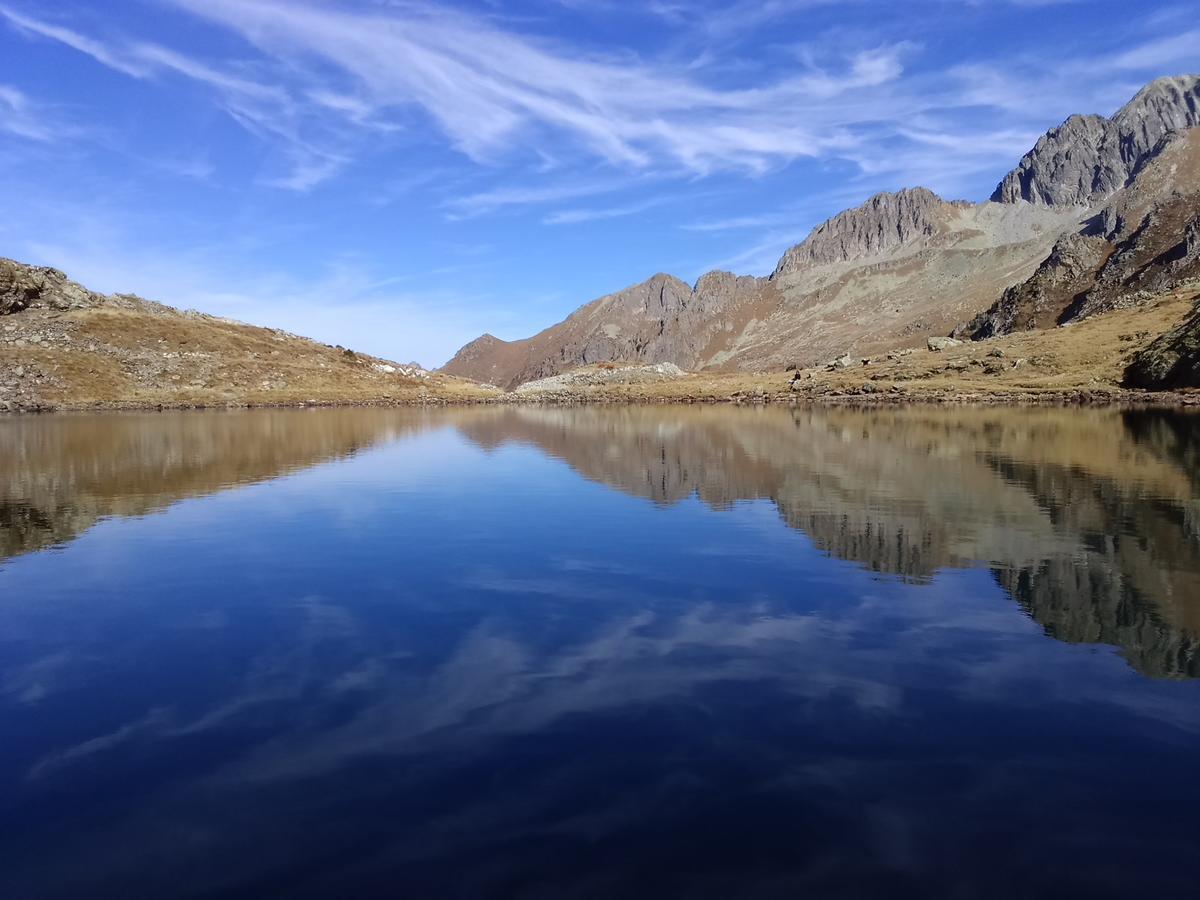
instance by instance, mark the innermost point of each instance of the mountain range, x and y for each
(1102, 213)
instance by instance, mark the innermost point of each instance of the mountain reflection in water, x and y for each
(599, 652)
(1089, 519)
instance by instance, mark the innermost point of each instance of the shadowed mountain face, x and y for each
(1090, 520)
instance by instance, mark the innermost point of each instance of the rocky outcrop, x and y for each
(23, 287)
(568, 384)
(488, 360)
(1172, 361)
(886, 222)
(1088, 158)
(942, 343)
(1162, 254)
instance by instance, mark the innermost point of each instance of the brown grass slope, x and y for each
(63, 347)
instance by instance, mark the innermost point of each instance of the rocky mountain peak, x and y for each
(1088, 157)
(660, 293)
(482, 343)
(882, 224)
(1172, 102)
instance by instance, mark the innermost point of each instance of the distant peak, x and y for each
(713, 276)
(886, 221)
(916, 193)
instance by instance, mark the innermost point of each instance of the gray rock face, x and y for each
(1087, 158)
(1161, 254)
(882, 224)
(22, 287)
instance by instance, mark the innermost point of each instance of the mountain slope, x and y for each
(869, 278)
(63, 346)
(906, 265)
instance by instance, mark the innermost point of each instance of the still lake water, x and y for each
(600, 653)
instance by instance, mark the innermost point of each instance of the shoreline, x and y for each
(1098, 398)
(201, 364)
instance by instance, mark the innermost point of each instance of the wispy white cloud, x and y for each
(18, 116)
(266, 109)
(516, 196)
(97, 50)
(739, 223)
(327, 72)
(1178, 49)
(577, 216)
(493, 92)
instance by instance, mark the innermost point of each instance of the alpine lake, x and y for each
(585, 652)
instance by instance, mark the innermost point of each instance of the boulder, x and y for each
(942, 343)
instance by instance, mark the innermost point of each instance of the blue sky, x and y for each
(400, 177)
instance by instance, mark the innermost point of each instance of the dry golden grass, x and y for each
(114, 357)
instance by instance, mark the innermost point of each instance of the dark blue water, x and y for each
(618, 653)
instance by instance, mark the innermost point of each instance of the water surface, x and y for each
(600, 653)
